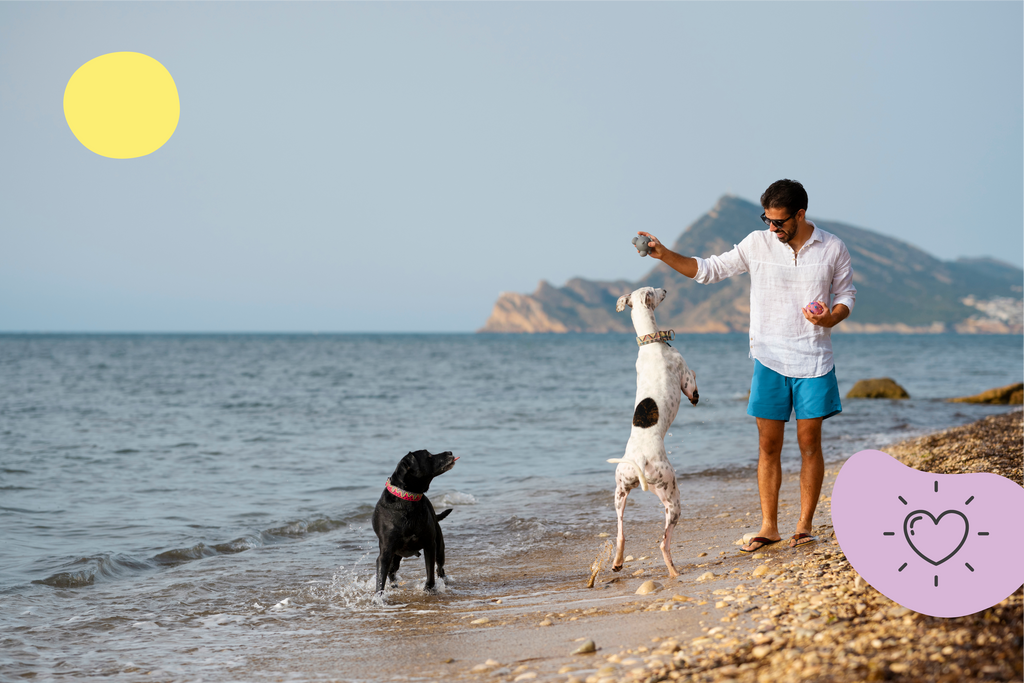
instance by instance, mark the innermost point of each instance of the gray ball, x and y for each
(640, 242)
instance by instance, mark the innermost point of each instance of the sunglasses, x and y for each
(777, 222)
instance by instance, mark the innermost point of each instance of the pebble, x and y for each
(648, 587)
(706, 576)
(481, 620)
(529, 675)
(586, 648)
(760, 570)
(546, 622)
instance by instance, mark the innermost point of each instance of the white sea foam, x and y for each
(450, 499)
(439, 584)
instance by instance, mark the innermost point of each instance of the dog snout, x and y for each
(695, 398)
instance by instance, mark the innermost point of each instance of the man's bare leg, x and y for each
(812, 472)
(769, 477)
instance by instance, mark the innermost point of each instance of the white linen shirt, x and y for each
(782, 282)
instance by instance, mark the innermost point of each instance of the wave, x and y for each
(30, 512)
(90, 568)
(451, 499)
(302, 527)
(86, 571)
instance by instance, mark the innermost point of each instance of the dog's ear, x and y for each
(623, 301)
(653, 297)
(401, 470)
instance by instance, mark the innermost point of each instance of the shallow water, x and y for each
(193, 504)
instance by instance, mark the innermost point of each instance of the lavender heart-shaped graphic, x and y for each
(966, 567)
(932, 541)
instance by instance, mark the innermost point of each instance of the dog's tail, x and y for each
(639, 471)
(444, 514)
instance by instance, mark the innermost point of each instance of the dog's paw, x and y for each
(617, 568)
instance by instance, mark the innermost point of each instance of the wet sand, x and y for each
(778, 615)
(549, 587)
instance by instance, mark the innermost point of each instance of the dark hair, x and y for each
(785, 194)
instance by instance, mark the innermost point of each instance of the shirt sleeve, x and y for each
(843, 291)
(716, 268)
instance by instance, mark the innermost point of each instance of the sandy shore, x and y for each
(779, 615)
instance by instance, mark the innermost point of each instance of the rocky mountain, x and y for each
(900, 288)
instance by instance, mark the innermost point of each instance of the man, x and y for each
(791, 264)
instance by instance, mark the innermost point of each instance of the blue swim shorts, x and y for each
(775, 397)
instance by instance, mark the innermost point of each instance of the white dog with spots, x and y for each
(661, 373)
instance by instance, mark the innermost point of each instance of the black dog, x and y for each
(404, 519)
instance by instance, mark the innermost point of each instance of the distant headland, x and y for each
(900, 288)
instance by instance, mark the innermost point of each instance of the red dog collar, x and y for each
(404, 495)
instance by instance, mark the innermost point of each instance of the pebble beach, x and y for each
(780, 615)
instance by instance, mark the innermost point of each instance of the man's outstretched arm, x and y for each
(684, 264)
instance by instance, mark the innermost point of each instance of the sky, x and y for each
(393, 167)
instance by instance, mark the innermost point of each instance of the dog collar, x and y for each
(404, 495)
(662, 336)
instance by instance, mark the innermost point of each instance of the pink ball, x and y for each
(814, 308)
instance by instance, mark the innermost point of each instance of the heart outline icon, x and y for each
(907, 523)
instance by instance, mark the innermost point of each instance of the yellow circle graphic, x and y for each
(122, 105)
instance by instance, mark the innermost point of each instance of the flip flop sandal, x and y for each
(802, 539)
(765, 542)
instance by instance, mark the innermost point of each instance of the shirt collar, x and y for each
(815, 234)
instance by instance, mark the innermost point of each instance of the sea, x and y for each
(184, 507)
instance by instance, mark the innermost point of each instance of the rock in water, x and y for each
(883, 387)
(1012, 394)
(586, 648)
